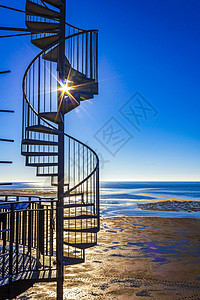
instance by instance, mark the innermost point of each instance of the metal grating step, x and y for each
(42, 129)
(83, 217)
(74, 194)
(78, 205)
(72, 260)
(41, 164)
(44, 42)
(81, 245)
(70, 103)
(39, 142)
(47, 174)
(55, 3)
(52, 116)
(42, 27)
(26, 153)
(35, 9)
(55, 182)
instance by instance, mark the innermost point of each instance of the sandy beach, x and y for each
(136, 258)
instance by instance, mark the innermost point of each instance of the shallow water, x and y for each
(122, 198)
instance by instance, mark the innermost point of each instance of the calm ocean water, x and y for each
(121, 198)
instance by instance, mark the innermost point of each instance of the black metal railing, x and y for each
(40, 88)
(27, 236)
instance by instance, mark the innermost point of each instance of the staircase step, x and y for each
(87, 230)
(56, 184)
(69, 104)
(38, 142)
(80, 245)
(42, 27)
(76, 93)
(72, 260)
(90, 87)
(41, 164)
(47, 174)
(86, 96)
(74, 75)
(78, 205)
(70, 73)
(80, 81)
(26, 153)
(44, 42)
(68, 194)
(55, 3)
(42, 129)
(52, 55)
(35, 9)
(81, 217)
(51, 116)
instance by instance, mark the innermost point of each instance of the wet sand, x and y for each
(136, 258)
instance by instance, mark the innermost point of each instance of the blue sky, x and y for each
(147, 49)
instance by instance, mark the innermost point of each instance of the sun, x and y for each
(65, 87)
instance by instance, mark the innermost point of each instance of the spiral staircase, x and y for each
(58, 79)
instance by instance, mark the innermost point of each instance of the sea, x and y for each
(140, 199)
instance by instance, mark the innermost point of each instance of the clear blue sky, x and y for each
(146, 46)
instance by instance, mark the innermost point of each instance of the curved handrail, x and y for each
(53, 127)
(74, 27)
(50, 46)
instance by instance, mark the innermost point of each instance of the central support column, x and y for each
(60, 271)
(59, 216)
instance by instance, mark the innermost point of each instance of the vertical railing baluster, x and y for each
(78, 52)
(71, 51)
(38, 234)
(4, 242)
(44, 74)
(74, 164)
(29, 95)
(82, 36)
(34, 90)
(28, 115)
(97, 56)
(29, 231)
(50, 80)
(97, 197)
(17, 239)
(69, 162)
(79, 164)
(51, 231)
(86, 52)
(91, 57)
(11, 246)
(47, 227)
(38, 89)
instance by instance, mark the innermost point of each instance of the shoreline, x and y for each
(164, 207)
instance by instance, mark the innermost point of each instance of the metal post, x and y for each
(11, 249)
(59, 215)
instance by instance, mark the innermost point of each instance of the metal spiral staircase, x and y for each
(58, 79)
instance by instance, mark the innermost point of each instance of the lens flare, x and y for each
(65, 87)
